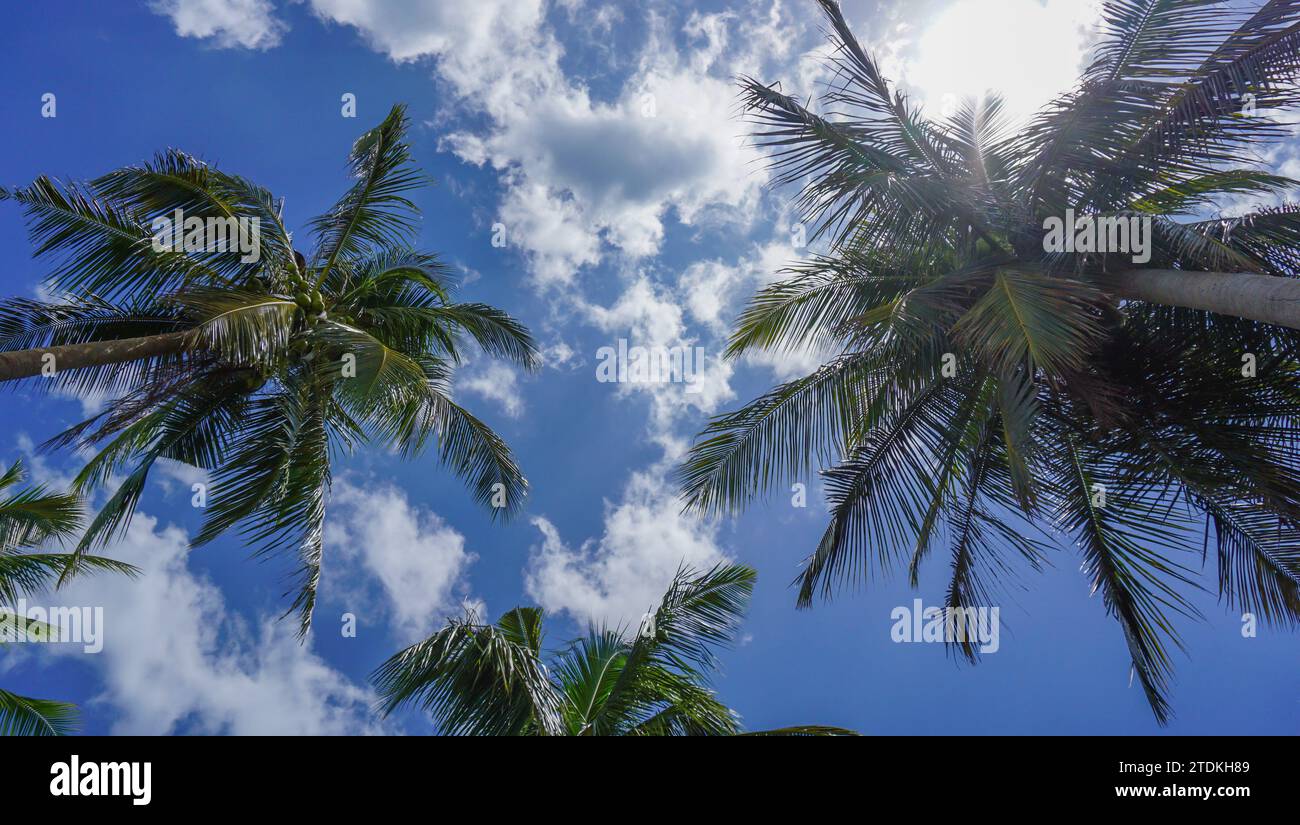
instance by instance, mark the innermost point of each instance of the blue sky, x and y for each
(602, 138)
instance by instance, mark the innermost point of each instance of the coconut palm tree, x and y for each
(990, 391)
(256, 367)
(31, 517)
(491, 680)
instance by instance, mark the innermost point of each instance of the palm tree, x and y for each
(490, 679)
(31, 517)
(259, 371)
(1010, 399)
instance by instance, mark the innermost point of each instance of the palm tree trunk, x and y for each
(31, 362)
(1268, 299)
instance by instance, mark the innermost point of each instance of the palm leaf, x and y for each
(375, 211)
(24, 716)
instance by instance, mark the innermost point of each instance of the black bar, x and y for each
(240, 775)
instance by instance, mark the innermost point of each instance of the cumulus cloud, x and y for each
(417, 559)
(715, 291)
(614, 580)
(649, 315)
(175, 658)
(756, 39)
(667, 144)
(495, 382)
(559, 355)
(550, 227)
(39, 468)
(248, 24)
(462, 35)
(787, 365)
(581, 175)
(173, 474)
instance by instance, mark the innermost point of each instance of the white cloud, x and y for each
(462, 35)
(667, 145)
(172, 473)
(560, 355)
(754, 40)
(580, 174)
(418, 560)
(495, 382)
(1282, 159)
(710, 287)
(249, 24)
(649, 315)
(173, 653)
(616, 579)
(549, 226)
(38, 466)
(786, 365)
(715, 290)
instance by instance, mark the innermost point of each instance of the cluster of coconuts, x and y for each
(308, 299)
(305, 295)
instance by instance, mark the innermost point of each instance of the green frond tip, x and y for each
(24, 716)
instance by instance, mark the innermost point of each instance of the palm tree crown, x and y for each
(995, 394)
(491, 680)
(258, 371)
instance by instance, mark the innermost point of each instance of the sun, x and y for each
(1029, 50)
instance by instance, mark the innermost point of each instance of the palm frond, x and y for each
(1136, 581)
(101, 247)
(1027, 317)
(242, 328)
(475, 680)
(375, 212)
(779, 436)
(24, 716)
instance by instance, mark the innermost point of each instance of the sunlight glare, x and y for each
(1029, 50)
